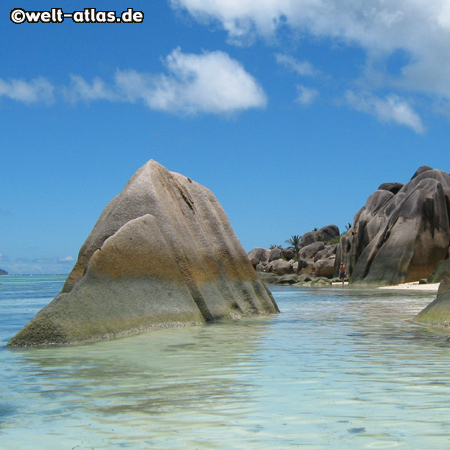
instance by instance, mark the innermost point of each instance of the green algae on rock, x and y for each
(162, 253)
(437, 313)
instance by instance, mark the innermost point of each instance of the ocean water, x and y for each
(337, 369)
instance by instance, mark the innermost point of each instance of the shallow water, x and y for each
(337, 369)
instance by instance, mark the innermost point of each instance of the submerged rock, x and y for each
(437, 313)
(162, 253)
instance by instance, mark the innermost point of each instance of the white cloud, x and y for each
(34, 91)
(306, 96)
(67, 258)
(391, 108)
(81, 90)
(211, 82)
(419, 28)
(303, 68)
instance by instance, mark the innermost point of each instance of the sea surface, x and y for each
(337, 369)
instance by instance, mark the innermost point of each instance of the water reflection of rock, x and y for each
(206, 368)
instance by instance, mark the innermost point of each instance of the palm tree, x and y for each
(295, 242)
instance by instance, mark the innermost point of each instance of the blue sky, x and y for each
(291, 111)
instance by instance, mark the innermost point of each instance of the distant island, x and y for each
(3, 272)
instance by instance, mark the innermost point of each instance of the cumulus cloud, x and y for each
(211, 82)
(420, 29)
(34, 91)
(306, 96)
(303, 68)
(387, 109)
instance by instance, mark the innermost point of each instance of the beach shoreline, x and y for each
(414, 285)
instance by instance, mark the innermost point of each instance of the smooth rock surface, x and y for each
(282, 267)
(437, 313)
(440, 271)
(258, 255)
(397, 238)
(162, 253)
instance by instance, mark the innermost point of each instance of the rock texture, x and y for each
(440, 272)
(162, 253)
(401, 233)
(315, 253)
(437, 313)
(325, 234)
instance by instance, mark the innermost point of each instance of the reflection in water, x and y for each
(337, 369)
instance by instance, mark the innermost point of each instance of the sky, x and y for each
(292, 112)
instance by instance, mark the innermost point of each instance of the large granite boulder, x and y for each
(328, 233)
(400, 235)
(325, 267)
(162, 253)
(328, 252)
(258, 255)
(309, 238)
(288, 253)
(282, 267)
(325, 234)
(309, 252)
(275, 253)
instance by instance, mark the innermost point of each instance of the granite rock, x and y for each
(400, 237)
(162, 253)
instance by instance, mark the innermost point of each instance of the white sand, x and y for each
(432, 287)
(413, 286)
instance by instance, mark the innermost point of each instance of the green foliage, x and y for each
(273, 246)
(335, 240)
(295, 242)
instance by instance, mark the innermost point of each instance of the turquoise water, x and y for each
(337, 369)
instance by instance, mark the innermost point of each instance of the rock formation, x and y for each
(401, 233)
(325, 234)
(437, 313)
(315, 253)
(162, 253)
(3, 272)
(440, 272)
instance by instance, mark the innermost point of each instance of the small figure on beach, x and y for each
(313, 272)
(342, 272)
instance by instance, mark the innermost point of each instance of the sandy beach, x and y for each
(432, 287)
(414, 286)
